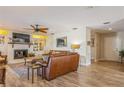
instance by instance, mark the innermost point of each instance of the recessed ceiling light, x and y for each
(52, 33)
(106, 23)
(90, 7)
(74, 28)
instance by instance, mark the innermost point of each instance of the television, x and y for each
(21, 38)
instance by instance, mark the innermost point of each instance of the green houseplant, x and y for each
(31, 54)
(121, 53)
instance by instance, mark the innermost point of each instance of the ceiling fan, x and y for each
(37, 28)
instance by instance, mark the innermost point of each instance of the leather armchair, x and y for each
(2, 75)
(5, 59)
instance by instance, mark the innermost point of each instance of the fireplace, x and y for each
(20, 53)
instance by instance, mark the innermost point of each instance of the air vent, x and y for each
(52, 33)
(74, 28)
(106, 23)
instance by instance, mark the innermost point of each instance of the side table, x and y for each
(33, 67)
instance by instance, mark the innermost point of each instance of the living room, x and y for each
(59, 38)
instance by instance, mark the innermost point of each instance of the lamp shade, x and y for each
(75, 46)
(3, 32)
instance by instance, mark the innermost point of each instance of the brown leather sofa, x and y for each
(60, 64)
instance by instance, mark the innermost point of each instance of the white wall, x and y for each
(3, 47)
(73, 36)
(120, 40)
(49, 43)
(88, 47)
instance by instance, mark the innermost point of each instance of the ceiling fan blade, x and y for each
(44, 31)
(44, 28)
(33, 26)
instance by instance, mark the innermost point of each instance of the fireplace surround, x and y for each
(20, 53)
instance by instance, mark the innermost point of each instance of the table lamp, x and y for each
(75, 47)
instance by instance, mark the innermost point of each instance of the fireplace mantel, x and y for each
(22, 43)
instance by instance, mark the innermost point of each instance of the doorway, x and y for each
(104, 46)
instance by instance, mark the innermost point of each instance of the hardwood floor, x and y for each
(100, 74)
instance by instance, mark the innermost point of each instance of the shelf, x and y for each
(13, 43)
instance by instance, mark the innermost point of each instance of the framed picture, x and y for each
(61, 42)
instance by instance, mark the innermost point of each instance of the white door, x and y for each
(110, 50)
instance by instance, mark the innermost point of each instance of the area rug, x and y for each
(20, 69)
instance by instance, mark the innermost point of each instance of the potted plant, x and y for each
(121, 54)
(31, 54)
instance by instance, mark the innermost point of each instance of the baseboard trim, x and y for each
(102, 60)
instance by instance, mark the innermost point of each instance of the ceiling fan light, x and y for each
(39, 36)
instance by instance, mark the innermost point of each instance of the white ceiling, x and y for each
(56, 18)
(115, 26)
